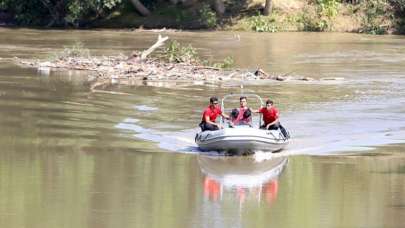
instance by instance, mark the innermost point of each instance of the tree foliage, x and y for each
(57, 12)
(202, 13)
(399, 7)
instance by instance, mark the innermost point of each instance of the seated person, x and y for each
(243, 115)
(271, 118)
(209, 116)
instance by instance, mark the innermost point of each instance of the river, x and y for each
(125, 156)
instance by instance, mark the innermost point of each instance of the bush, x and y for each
(398, 6)
(328, 8)
(226, 63)
(78, 10)
(74, 51)
(376, 16)
(262, 24)
(59, 13)
(208, 16)
(319, 17)
(399, 12)
(26, 12)
(174, 52)
(309, 20)
(327, 11)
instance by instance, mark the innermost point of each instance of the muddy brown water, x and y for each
(72, 158)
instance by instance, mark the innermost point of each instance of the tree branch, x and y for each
(140, 7)
(219, 7)
(161, 40)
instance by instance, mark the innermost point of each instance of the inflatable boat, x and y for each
(242, 139)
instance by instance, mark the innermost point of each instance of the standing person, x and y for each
(271, 118)
(209, 116)
(243, 115)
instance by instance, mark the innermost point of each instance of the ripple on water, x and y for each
(322, 129)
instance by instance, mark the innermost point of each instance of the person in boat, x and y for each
(271, 118)
(242, 115)
(209, 116)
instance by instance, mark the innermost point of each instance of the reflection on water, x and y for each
(241, 178)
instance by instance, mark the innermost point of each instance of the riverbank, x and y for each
(367, 16)
(371, 17)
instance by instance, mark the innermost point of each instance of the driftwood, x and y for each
(206, 67)
(161, 41)
(260, 72)
(141, 68)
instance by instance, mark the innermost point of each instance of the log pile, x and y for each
(139, 67)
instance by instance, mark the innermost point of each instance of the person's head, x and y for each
(213, 101)
(243, 101)
(269, 103)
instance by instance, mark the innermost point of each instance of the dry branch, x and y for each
(161, 40)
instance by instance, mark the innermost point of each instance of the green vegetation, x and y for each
(177, 53)
(76, 50)
(366, 16)
(208, 16)
(327, 11)
(174, 52)
(376, 14)
(261, 23)
(228, 62)
(320, 16)
(57, 13)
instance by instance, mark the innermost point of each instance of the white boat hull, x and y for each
(241, 140)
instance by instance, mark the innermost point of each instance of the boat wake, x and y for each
(325, 129)
(182, 141)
